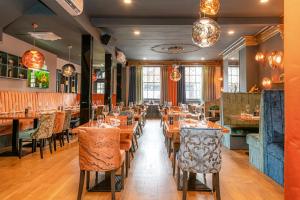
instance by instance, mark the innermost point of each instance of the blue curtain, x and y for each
(132, 85)
(181, 98)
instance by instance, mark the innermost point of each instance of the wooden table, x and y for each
(249, 120)
(16, 128)
(105, 184)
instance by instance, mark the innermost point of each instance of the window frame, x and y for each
(231, 76)
(155, 76)
(195, 79)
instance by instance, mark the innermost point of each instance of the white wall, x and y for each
(17, 47)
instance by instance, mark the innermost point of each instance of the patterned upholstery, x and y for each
(99, 149)
(67, 121)
(200, 150)
(44, 129)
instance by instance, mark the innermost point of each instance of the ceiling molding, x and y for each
(269, 32)
(138, 63)
(134, 21)
(247, 40)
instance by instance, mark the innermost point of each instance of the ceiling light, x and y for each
(264, 1)
(144, 58)
(231, 32)
(137, 32)
(127, 1)
(49, 36)
(202, 58)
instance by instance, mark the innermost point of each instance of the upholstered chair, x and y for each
(200, 152)
(67, 124)
(58, 128)
(40, 134)
(99, 151)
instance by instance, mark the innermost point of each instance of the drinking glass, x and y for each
(105, 110)
(130, 105)
(100, 119)
(116, 111)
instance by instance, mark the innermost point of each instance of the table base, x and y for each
(104, 185)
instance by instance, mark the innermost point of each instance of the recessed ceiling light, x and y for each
(202, 58)
(136, 32)
(144, 58)
(231, 32)
(264, 1)
(127, 1)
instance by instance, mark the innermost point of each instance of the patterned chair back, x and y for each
(99, 149)
(45, 129)
(200, 150)
(67, 122)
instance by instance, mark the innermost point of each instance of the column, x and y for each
(108, 88)
(86, 78)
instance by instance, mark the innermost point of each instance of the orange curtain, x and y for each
(172, 88)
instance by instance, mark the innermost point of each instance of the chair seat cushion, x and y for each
(125, 145)
(276, 150)
(253, 140)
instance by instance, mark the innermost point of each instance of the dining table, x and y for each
(16, 118)
(173, 131)
(105, 182)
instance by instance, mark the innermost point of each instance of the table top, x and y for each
(123, 128)
(175, 128)
(248, 118)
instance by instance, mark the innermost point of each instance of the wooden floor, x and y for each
(150, 178)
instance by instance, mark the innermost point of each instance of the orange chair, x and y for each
(58, 129)
(99, 151)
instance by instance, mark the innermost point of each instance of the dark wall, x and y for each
(273, 44)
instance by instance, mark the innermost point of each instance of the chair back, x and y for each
(67, 121)
(99, 149)
(59, 122)
(46, 125)
(200, 150)
(123, 119)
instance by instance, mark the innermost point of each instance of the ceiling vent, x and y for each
(73, 7)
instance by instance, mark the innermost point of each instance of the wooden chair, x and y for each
(40, 134)
(200, 152)
(58, 129)
(99, 151)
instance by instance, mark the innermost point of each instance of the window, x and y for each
(193, 83)
(151, 83)
(233, 79)
(100, 88)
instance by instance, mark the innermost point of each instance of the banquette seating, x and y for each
(266, 150)
(18, 100)
(234, 104)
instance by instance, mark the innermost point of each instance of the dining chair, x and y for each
(200, 152)
(67, 124)
(40, 134)
(58, 129)
(99, 151)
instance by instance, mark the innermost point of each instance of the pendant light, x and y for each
(210, 7)
(68, 69)
(33, 59)
(175, 74)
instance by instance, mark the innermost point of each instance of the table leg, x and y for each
(15, 136)
(35, 123)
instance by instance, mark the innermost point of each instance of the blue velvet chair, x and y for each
(273, 135)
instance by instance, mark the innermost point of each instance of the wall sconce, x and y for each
(260, 57)
(221, 79)
(267, 83)
(275, 60)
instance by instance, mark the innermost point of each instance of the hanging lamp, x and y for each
(68, 69)
(175, 74)
(33, 59)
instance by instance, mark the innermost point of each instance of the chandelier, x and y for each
(175, 74)
(206, 31)
(210, 7)
(33, 59)
(68, 69)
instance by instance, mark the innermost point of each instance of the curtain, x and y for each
(181, 96)
(172, 88)
(139, 85)
(164, 84)
(209, 88)
(132, 85)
